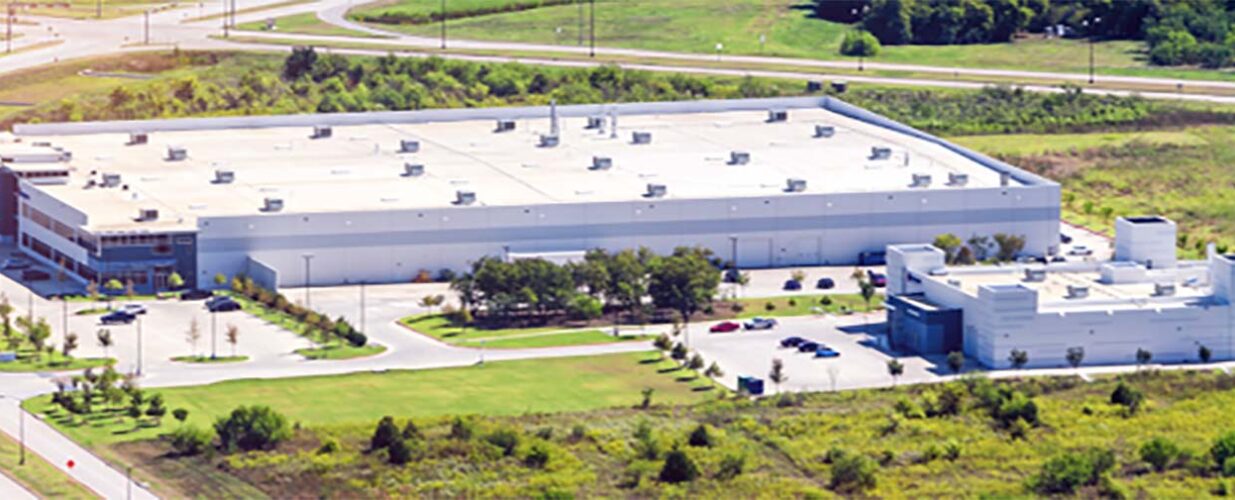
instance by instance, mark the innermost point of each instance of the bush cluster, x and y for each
(315, 322)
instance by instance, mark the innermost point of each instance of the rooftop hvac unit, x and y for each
(656, 191)
(138, 138)
(595, 122)
(504, 126)
(601, 163)
(409, 146)
(795, 185)
(955, 179)
(921, 180)
(1164, 289)
(1077, 292)
(272, 205)
(777, 115)
(224, 176)
(824, 131)
(641, 137)
(413, 170)
(549, 140)
(177, 153)
(739, 157)
(322, 132)
(1005, 179)
(880, 153)
(465, 197)
(813, 86)
(147, 214)
(1035, 275)
(111, 180)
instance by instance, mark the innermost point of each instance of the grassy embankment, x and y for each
(38, 476)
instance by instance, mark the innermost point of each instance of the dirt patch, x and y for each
(184, 477)
(1062, 165)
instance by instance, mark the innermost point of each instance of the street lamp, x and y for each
(139, 345)
(307, 280)
(443, 15)
(719, 47)
(1090, 28)
(592, 30)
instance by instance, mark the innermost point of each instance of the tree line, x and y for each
(318, 325)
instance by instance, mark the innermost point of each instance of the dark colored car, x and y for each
(195, 295)
(1065, 239)
(877, 279)
(1058, 258)
(825, 284)
(826, 352)
(223, 304)
(793, 285)
(117, 317)
(731, 275)
(808, 346)
(792, 341)
(34, 275)
(725, 327)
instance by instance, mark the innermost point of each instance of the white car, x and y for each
(1081, 250)
(134, 309)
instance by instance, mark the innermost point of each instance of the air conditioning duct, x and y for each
(177, 153)
(138, 138)
(795, 185)
(739, 157)
(777, 115)
(224, 176)
(641, 137)
(1035, 275)
(921, 181)
(601, 163)
(1077, 292)
(1164, 289)
(824, 131)
(958, 180)
(272, 205)
(595, 122)
(409, 146)
(549, 140)
(322, 132)
(147, 214)
(465, 197)
(413, 169)
(656, 191)
(110, 180)
(504, 126)
(880, 153)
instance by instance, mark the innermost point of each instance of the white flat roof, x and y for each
(360, 168)
(1053, 290)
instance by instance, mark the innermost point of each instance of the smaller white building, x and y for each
(1144, 299)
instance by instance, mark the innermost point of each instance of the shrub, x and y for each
(730, 467)
(537, 456)
(737, 307)
(793, 302)
(1159, 453)
(410, 431)
(1063, 474)
(1127, 396)
(700, 437)
(1223, 448)
(825, 301)
(852, 473)
(252, 428)
(578, 432)
(190, 440)
(952, 450)
(398, 452)
(384, 434)
(461, 429)
(505, 439)
(769, 306)
(330, 445)
(678, 468)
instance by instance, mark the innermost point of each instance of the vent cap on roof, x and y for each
(272, 205)
(601, 163)
(641, 137)
(739, 157)
(795, 185)
(921, 180)
(322, 132)
(224, 176)
(958, 180)
(549, 140)
(656, 191)
(777, 115)
(824, 131)
(409, 146)
(1077, 291)
(138, 138)
(1035, 275)
(465, 197)
(595, 122)
(504, 126)
(147, 215)
(413, 169)
(110, 180)
(1164, 289)
(1005, 179)
(880, 153)
(177, 153)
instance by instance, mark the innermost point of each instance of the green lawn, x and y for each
(339, 351)
(328, 347)
(207, 359)
(1029, 144)
(802, 305)
(442, 328)
(585, 337)
(305, 24)
(698, 25)
(27, 361)
(38, 476)
(498, 388)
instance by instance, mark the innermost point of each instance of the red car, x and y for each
(725, 327)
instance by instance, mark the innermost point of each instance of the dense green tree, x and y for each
(250, 428)
(678, 468)
(684, 281)
(859, 44)
(1159, 453)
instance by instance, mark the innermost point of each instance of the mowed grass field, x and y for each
(498, 388)
(440, 327)
(306, 24)
(757, 27)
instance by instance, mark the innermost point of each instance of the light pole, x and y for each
(21, 424)
(146, 28)
(592, 29)
(214, 334)
(719, 47)
(580, 4)
(8, 28)
(443, 24)
(308, 304)
(1090, 27)
(139, 346)
(362, 308)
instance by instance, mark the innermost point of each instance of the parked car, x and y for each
(196, 295)
(791, 341)
(34, 275)
(825, 284)
(1058, 258)
(792, 285)
(222, 304)
(1065, 239)
(1080, 251)
(731, 275)
(878, 279)
(134, 309)
(725, 327)
(17, 264)
(760, 324)
(117, 317)
(826, 352)
(808, 346)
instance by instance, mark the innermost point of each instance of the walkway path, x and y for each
(10, 490)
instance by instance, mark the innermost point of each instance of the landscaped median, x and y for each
(209, 360)
(444, 327)
(334, 339)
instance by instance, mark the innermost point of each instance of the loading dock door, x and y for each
(754, 252)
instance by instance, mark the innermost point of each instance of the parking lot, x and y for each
(862, 361)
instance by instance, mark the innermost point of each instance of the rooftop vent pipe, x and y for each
(549, 140)
(795, 185)
(138, 138)
(554, 128)
(958, 180)
(824, 131)
(110, 180)
(322, 132)
(177, 153)
(739, 157)
(601, 163)
(1035, 275)
(147, 214)
(641, 138)
(1164, 289)
(465, 197)
(595, 122)
(224, 176)
(504, 126)
(656, 191)
(1077, 292)
(1005, 179)
(880, 153)
(413, 170)
(409, 146)
(921, 181)
(272, 205)
(777, 115)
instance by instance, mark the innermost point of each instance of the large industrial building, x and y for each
(1142, 299)
(379, 197)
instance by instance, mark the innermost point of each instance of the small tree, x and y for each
(647, 397)
(92, 290)
(798, 275)
(1018, 358)
(398, 452)
(233, 337)
(696, 362)
(714, 371)
(1204, 354)
(156, 409)
(180, 414)
(895, 369)
(699, 437)
(950, 244)
(679, 352)
(859, 43)
(867, 289)
(956, 359)
(113, 286)
(252, 428)
(175, 281)
(1075, 356)
(663, 344)
(105, 341)
(777, 374)
(852, 473)
(1159, 453)
(384, 434)
(193, 335)
(220, 280)
(678, 468)
(70, 344)
(1142, 358)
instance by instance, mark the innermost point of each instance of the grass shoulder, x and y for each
(305, 24)
(36, 475)
(209, 360)
(340, 351)
(29, 361)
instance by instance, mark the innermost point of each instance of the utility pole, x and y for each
(308, 304)
(362, 308)
(146, 29)
(443, 14)
(592, 47)
(580, 4)
(8, 29)
(139, 345)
